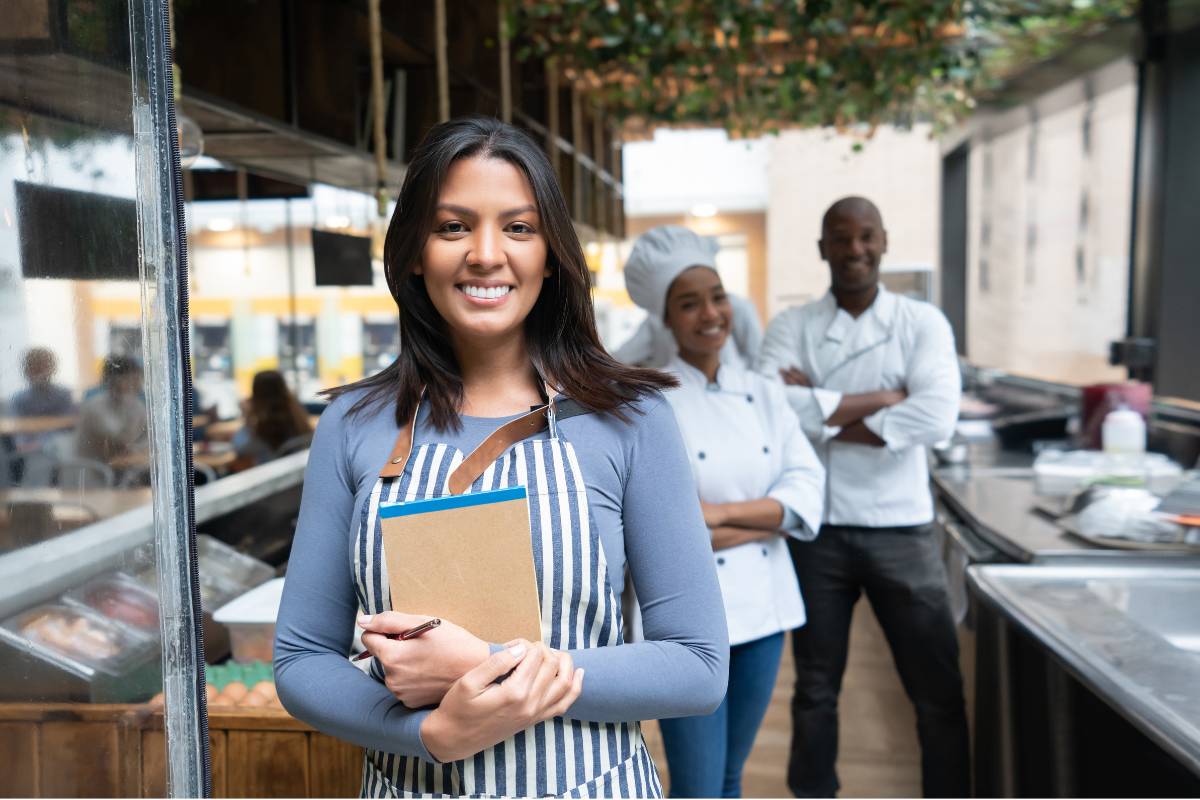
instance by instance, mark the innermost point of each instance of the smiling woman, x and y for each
(496, 319)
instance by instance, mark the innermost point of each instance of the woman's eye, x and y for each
(521, 228)
(452, 227)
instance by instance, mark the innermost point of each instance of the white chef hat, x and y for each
(658, 257)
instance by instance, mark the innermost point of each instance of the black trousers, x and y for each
(901, 571)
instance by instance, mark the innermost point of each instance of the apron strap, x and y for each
(494, 446)
(401, 450)
(490, 449)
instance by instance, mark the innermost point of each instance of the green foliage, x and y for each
(758, 66)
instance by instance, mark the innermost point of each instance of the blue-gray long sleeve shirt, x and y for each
(644, 505)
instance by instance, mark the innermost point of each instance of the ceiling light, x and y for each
(337, 221)
(220, 225)
(704, 210)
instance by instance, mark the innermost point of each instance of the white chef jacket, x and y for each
(898, 343)
(653, 344)
(744, 443)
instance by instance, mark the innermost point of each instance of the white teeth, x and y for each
(488, 293)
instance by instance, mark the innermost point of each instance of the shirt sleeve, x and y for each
(681, 669)
(800, 487)
(813, 405)
(316, 682)
(934, 385)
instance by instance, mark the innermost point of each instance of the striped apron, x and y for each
(558, 757)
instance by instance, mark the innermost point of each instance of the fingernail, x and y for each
(516, 651)
(365, 619)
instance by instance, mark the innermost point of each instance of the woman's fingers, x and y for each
(563, 678)
(497, 664)
(564, 704)
(390, 621)
(547, 672)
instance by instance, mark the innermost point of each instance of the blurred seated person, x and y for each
(273, 417)
(43, 397)
(112, 421)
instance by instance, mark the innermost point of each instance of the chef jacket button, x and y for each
(720, 562)
(700, 455)
(749, 398)
(764, 551)
(766, 449)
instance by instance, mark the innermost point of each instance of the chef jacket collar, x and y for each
(880, 315)
(730, 378)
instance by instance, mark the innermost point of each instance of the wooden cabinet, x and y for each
(79, 750)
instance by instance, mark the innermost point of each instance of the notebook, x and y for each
(467, 559)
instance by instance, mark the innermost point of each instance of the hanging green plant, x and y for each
(757, 66)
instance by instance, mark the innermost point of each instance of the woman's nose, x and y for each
(488, 249)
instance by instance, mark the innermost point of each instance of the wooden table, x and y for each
(12, 426)
(78, 505)
(224, 430)
(218, 460)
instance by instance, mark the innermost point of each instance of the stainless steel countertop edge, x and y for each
(1107, 685)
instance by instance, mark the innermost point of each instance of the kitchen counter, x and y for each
(1129, 632)
(993, 495)
(998, 505)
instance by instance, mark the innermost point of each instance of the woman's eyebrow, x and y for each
(463, 211)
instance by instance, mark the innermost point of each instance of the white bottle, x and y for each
(1123, 432)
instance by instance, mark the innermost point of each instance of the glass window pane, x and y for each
(81, 643)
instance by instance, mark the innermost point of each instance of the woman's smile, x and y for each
(484, 294)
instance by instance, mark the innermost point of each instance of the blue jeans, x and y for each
(705, 755)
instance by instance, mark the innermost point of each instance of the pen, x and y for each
(411, 633)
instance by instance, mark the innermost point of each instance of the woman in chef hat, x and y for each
(759, 482)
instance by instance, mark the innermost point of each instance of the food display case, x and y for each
(72, 653)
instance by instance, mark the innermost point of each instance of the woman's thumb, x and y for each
(497, 665)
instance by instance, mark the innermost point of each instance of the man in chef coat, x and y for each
(874, 378)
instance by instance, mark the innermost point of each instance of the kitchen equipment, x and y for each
(250, 620)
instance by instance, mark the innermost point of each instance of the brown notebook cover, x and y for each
(468, 559)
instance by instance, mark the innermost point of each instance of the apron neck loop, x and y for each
(488, 451)
(402, 449)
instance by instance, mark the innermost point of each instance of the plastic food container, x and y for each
(220, 561)
(74, 638)
(119, 598)
(251, 621)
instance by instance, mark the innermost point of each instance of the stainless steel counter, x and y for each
(1130, 632)
(998, 504)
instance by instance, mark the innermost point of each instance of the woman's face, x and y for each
(698, 311)
(485, 259)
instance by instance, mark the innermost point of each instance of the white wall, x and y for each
(1047, 287)
(681, 169)
(810, 169)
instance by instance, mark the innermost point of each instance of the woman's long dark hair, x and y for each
(560, 330)
(275, 413)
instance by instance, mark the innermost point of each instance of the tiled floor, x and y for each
(878, 754)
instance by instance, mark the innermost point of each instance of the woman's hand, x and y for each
(419, 671)
(477, 712)
(715, 515)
